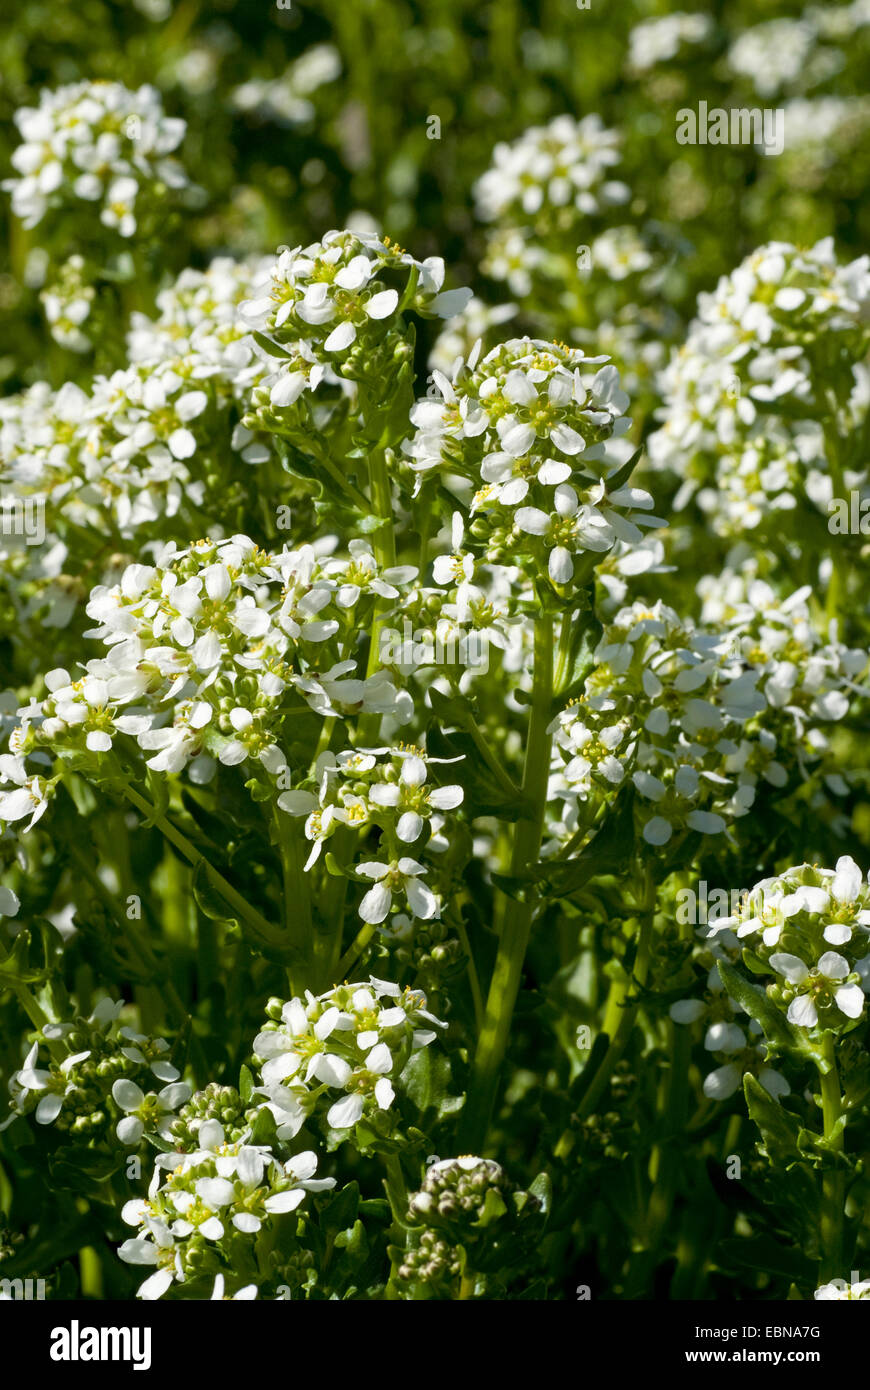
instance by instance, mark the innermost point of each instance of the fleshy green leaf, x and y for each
(779, 1129)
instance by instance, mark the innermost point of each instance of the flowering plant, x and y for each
(390, 671)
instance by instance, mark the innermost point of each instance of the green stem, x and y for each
(838, 582)
(396, 1190)
(473, 978)
(297, 901)
(831, 1261)
(29, 1003)
(355, 950)
(619, 1018)
(516, 916)
(90, 1272)
(340, 479)
(563, 656)
(384, 545)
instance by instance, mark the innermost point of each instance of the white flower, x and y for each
(820, 986)
(839, 1289)
(9, 903)
(141, 1111)
(397, 876)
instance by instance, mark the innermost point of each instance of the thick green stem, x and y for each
(839, 579)
(384, 545)
(619, 1019)
(297, 901)
(515, 916)
(832, 1212)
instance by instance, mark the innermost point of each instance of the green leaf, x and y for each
(779, 1129)
(341, 1212)
(367, 524)
(273, 349)
(819, 1151)
(246, 1083)
(426, 1079)
(450, 709)
(754, 963)
(763, 1252)
(82, 1169)
(264, 1129)
(352, 1239)
(209, 901)
(376, 1209)
(580, 1085)
(542, 1188)
(484, 795)
(622, 475)
(493, 1208)
(609, 852)
(776, 1028)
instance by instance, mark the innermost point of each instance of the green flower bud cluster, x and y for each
(433, 1262)
(456, 1190)
(475, 1222)
(215, 1102)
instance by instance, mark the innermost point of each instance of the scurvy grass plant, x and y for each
(337, 965)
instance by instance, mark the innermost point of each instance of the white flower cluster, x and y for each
(123, 449)
(732, 1039)
(198, 321)
(792, 921)
(199, 1220)
(67, 302)
(206, 647)
(200, 334)
(798, 54)
(539, 195)
(285, 100)
(327, 308)
(839, 21)
(772, 55)
(745, 399)
(839, 1289)
(22, 793)
(563, 165)
(354, 1039)
(99, 1080)
(527, 425)
(130, 451)
(809, 676)
(658, 40)
(620, 252)
(698, 716)
(824, 122)
(474, 603)
(97, 143)
(356, 789)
